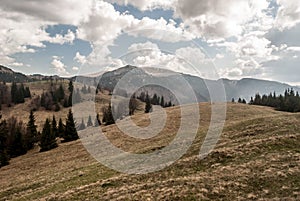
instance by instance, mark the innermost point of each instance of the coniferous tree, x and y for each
(54, 127)
(18, 146)
(97, 120)
(14, 92)
(162, 101)
(82, 125)
(48, 140)
(71, 87)
(60, 93)
(108, 118)
(31, 132)
(61, 128)
(89, 123)
(148, 106)
(4, 159)
(70, 133)
(27, 92)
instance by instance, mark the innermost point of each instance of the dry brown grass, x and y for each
(257, 158)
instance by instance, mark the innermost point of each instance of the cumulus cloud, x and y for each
(190, 60)
(62, 39)
(59, 66)
(55, 11)
(146, 4)
(75, 68)
(288, 14)
(218, 18)
(80, 58)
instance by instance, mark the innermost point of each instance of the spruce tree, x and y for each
(61, 128)
(162, 102)
(70, 133)
(14, 92)
(48, 140)
(71, 87)
(82, 125)
(108, 116)
(148, 106)
(31, 132)
(89, 123)
(97, 120)
(54, 127)
(4, 159)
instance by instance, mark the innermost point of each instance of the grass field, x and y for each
(257, 158)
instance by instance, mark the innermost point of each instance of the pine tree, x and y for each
(61, 128)
(54, 127)
(97, 120)
(70, 131)
(108, 116)
(60, 93)
(82, 125)
(71, 87)
(162, 102)
(4, 159)
(148, 106)
(13, 92)
(48, 140)
(18, 146)
(89, 123)
(31, 132)
(27, 92)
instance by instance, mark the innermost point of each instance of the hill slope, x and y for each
(257, 157)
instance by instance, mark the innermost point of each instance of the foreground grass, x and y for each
(257, 158)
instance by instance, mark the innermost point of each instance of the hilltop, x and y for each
(257, 158)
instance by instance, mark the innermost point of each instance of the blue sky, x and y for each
(213, 39)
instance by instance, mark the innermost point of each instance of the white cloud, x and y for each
(59, 66)
(288, 14)
(243, 68)
(146, 4)
(55, 11)
(293, 49)
(80, 58)
(218, 18)
(62, 39)
(190, 60)
(159, 29)
(75, 68)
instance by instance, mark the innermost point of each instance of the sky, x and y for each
(213, 39)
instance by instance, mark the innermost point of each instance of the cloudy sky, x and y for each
(215, 38)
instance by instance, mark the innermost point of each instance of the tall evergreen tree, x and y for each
(97, 120)
(31, 132)
(14, 92)
(71, 87)
(61, 128)
(82, 125)
(54, 127)
(48, 140)
(148, 106)
(70, 133)
(108, 116)
(4, 159)
(89, 123)
(162, 101)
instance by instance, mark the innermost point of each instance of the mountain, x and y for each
(244, 88)
(8, 75)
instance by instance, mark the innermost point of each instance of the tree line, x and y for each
(289, 101)
(16, 138)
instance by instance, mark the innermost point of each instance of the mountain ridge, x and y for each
(243, 88)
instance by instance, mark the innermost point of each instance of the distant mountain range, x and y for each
(8, 75)
(244, 88)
